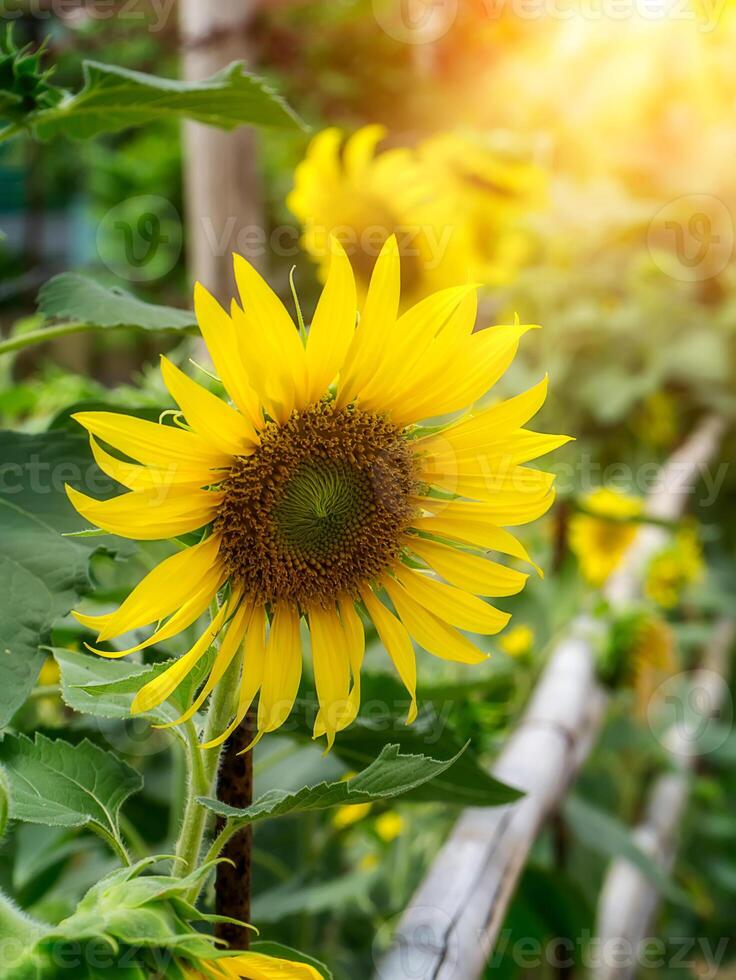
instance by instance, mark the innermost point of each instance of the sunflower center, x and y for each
(319, 508)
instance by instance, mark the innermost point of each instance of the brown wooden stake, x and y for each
(233, 881)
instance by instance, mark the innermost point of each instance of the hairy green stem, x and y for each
(34, 337)
(203, 765)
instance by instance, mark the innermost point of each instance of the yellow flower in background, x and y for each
(346, 816)
(675, 568)
(518, 641)
(656, 422)
(640, 655)
(389, 826)
(251, 966)
(600, 537)
(49, 674)
(361, 197)
(491, 193)
(315, 495)
(652, 659)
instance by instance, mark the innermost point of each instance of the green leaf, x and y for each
(384, 706)
(295, 897)
(106, 688)
(287, 953)
(64, 785)
(42, 572)
(605, 834)
(73, 296)
(388, 776)
(116, 98)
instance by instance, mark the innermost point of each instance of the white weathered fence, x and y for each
(451, 925)
(628, 899)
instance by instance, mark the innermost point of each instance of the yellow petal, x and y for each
(355, 640)
(151, 442)
(431, 632)
(333, 325)
(331, 668)
(397, 641)
(258, 966)
(209, 416)
(282, 669)
(360, 149)
(480, 428)
(159, 689)
(136, 477)
(165, 588)
(471, 373)
(413, 334)
(229, 647)
(149, 515)
(276, 359)
(179, 621)
(251, 676)
(222, 342)
(507, 509)
(475, 533)
(376, 324)
(470, 572)
(454, 606)
(482, 484)
(492, 456)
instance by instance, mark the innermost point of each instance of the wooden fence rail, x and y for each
(628, 899)
(452, 923)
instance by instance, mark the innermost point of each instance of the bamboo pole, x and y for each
(629, 900)
(452, 923)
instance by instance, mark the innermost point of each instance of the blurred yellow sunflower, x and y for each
(491, 195)
(346, 189)
(675, 568)
(316, 493)
(251, 966)
(600, 537)
(640, 655)
(518, 641)
(652, 660)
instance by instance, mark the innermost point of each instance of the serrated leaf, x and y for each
(465, 783)
(115, 98)
(64, 785)
(391, 774)
(73, 296)
(106, 688)
(42, 572)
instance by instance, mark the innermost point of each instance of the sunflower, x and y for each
(640, 655)
(316, 495)
(250, 966)
(348, 190)
(491, 193)
(518, 641)
(601, 535)
(674, 568)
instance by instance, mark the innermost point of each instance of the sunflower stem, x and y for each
(233, 876)
(202, 765)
